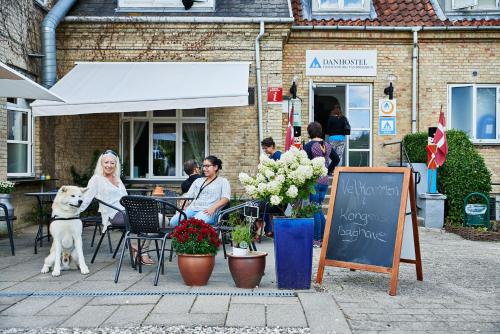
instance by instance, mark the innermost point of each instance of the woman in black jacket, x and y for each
(338, 127)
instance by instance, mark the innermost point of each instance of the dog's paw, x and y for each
(56, 273)
(45, 269)
(84, 270)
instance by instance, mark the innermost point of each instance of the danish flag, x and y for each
(289, 131)
(440, 140)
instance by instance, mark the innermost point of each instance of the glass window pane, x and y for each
(164, 139)
(17, 158)
(135, 114)
(126, 149)
(359, 158)
(353, 3)
(486, 113)
(164, 113)
(141, 149)
(359, 140)
(461, 109)
(359, 118)
(17, 125)
(193, 144)
(200, 112)
(359, 96)
(328, 3)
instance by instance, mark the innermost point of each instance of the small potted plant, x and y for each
(196, 244)
(241, 239)
(6, 188)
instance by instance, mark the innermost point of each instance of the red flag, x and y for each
(289, 131)
(440, 140)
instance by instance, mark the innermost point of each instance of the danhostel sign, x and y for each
(341, 63)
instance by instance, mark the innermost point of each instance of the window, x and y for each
(474, 4)
(165, 5)
(328, 6)
(156, 143)
(42, 2)
(19, 138)
(475, 109)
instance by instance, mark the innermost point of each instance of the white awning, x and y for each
(92, 88)
(14, 84)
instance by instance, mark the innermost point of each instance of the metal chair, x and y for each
(91, 217)
(143, 223)
(44, 201)
(248, 209)
(9, 222)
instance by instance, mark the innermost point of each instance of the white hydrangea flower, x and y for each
(275, 200)
(269, 173)
(292, 192)
(244, 178)
(250, 190)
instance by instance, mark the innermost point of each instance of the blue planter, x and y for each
(293, 248)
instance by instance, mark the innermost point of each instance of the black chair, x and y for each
(91, 217)
(44, 201)
(9, 222)
(111, 227)
(143, 223)
(248, 209)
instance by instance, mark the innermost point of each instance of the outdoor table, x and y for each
(44, 200)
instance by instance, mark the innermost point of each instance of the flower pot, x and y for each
(237, 251)
(293, 247)
(6, 200)
(247, 270)
(196, 269)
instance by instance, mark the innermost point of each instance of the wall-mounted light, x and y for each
(389, 90)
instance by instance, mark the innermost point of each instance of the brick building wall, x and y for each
(233, 131)
(444, 58)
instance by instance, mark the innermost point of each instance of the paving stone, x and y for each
(128, 315)
(323, 314)
(174, 304)
(285, 316)
(65, 306)
(29, 306)
(90, 316)
(125, 299)
(264, 300)
(241, 315)
(187, 319)
(30, 321)
(211, 304)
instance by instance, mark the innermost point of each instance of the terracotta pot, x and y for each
(196, 269)
(247, 270)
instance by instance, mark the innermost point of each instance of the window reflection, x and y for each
(164, 138)
(359, 158)
(359, 140)
(486, 113)
(359, 96)
(141, 147)
(359, 118)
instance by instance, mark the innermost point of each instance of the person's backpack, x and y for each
(347, 127)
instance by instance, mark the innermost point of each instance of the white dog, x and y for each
(66, 230)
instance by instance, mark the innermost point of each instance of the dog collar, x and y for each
(58, 218)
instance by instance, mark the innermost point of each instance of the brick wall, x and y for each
(233, 132)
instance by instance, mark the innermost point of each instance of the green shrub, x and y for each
(82, 179)
(463, 172)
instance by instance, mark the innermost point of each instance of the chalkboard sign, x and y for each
(366, 219)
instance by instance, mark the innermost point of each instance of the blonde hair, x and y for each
(100, 171)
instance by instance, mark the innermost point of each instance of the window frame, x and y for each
(474, 7)
(164, 5)
(42, 3)
(179, 120)
(22, 106)
(474, 111)
(316, 8)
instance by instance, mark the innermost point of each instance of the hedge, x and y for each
(463, 172)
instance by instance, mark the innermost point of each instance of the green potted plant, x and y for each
(241, 239)
(6, 188)
(196, 244)
(287, 182)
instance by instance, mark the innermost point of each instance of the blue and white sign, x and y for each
(387, 126)
(358, 63)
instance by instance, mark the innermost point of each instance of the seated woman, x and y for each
(210, 193)
(107, 186)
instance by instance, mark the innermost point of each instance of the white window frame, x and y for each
(474, 5)
(179, 121)
(474, 111)
(42, 2)
(21, 105)
(174, 5)
(319, 9)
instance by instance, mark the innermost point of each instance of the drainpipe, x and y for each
(259, 82)
(49, 25)
(414, 81)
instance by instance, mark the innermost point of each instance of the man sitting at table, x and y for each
(192, 169)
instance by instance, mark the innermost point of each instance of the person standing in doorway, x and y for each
(337, 129)
(192, 169)
(317, 147)
(269, 147)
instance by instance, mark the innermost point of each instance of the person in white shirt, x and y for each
(210, 193)
(107, 186)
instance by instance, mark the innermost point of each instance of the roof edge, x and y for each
(177, 19)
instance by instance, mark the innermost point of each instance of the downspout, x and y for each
(259, 82)
(49, 25)
(414, 81)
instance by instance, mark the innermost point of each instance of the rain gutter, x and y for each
(176, 19)
(259, 81)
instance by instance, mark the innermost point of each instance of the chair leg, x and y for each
(38, 237)
(157, 250)
(223, 235)
(117, 275)
(118, 245)
(110, 246)
(171, 253)
(11, 235)
(160, 262)
(93, 236)
(98, 245)
(139, 255)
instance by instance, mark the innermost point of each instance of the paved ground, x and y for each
(459, 294)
